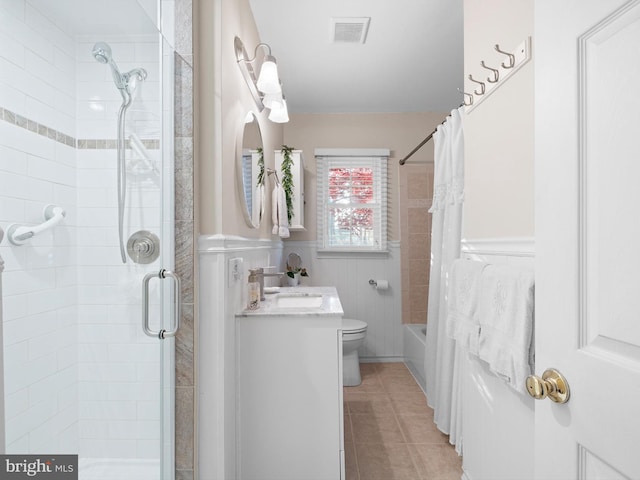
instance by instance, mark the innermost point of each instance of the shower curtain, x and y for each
(448, 194)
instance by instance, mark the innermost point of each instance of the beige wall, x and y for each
(223, 101)
(400, 132)
(499, 196)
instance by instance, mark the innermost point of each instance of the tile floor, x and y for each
(389, 430)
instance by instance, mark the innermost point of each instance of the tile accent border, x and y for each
(35, 127)
(60, 137)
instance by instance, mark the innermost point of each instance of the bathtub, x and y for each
(415, 339)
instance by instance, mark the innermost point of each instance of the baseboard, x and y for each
(381, 359)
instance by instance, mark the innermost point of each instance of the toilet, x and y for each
(353, 333)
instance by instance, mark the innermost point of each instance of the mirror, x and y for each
(250, 171)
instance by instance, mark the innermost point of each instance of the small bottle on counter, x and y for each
(253, 293)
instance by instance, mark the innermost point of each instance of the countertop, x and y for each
(268, 307)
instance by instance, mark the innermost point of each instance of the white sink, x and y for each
(298, 300)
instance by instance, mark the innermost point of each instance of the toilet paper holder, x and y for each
(379, 284)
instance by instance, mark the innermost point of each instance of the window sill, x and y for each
(333, 253)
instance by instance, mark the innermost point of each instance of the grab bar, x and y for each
(19, 234)
(162, 274)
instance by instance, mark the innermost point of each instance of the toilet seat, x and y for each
(351, 326)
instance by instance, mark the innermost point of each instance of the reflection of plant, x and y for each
(287, 179)
(260, 165)
(291, 271)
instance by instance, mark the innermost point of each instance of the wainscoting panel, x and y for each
(381, 309)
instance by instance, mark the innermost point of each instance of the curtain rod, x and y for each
(429, 137)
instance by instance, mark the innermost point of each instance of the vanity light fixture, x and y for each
(266, 87)
(279, 114)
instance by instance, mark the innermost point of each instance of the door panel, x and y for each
(586, 269)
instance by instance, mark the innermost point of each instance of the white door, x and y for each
(587, 55)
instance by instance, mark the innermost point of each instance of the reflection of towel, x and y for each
(258, 204)
(279, 212)
(464, 287)
(506, 320)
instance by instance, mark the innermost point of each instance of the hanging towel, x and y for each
(506, 319)
(463, 324)
(279, 212)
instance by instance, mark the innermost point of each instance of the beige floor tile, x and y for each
(436, 462)
(421, 429)
(370, 382)
(371, 428)
(379, 403)
(395, 368)
(385, 462)
(348, 434)
(405, 403)
(400, 384)
(350, 465)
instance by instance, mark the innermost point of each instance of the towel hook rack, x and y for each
(482, 86)
(496, 73)
(512, 57)
(466, 95)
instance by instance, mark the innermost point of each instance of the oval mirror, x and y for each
(250, 171)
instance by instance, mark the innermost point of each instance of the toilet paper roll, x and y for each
(382, 285)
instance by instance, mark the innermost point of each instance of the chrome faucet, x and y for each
(259, 273)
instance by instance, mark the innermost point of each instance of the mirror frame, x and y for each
(240, 149)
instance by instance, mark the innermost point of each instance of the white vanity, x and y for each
(289, 387)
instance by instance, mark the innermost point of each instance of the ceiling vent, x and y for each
(349, 29)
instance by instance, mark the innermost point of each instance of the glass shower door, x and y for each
(80, 375)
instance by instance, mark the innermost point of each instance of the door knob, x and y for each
(552, 385)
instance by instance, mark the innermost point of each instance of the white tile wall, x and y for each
(74, 350)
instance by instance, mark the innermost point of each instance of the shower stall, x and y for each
(81, 373)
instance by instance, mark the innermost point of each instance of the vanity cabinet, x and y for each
(297, 173)
(289, 395)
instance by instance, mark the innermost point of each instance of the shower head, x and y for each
(102, 52)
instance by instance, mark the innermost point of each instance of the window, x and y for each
(352, 199)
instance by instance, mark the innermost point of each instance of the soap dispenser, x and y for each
(253, 293)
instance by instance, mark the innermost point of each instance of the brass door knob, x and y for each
(552, 385)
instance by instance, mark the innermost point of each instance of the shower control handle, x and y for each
(162, 333)
(552, 385)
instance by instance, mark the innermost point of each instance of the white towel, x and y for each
(464, 287)
(506, 320)
(279, 212)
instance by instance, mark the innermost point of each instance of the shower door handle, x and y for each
(162, 333)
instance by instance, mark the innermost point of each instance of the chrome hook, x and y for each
(512, 57)
(496, 73)
(482, 86)
(464, 102)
